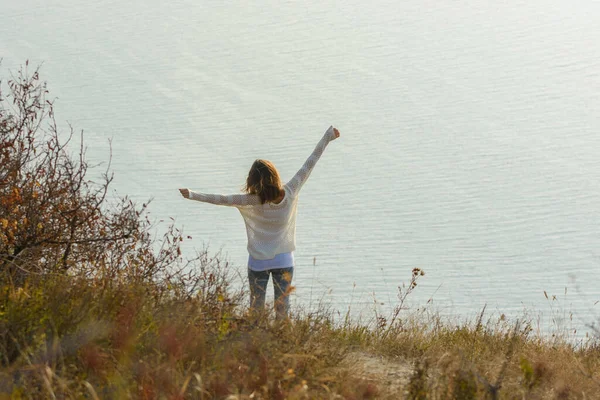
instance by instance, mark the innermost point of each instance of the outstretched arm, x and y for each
(303, 173)
(233, 200)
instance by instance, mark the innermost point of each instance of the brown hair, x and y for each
(263, 180)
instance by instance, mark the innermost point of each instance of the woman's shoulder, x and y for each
(289, 192)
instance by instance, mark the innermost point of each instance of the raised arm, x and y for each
(232, 200)
(303, 173)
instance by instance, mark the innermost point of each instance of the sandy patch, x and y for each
(394, 374)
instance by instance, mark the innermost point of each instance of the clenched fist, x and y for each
(185, 193)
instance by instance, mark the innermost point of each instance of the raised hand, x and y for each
(336, 132)
(185, 193)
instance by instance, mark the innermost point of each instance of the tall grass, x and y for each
(73, 337)
(81, 337)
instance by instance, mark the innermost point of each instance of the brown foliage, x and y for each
(56, 222)
(53, 218)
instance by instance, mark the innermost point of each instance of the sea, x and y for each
(469, 148)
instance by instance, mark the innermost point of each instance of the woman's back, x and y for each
(271, 227)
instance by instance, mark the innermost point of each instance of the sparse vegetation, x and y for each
(91, 306)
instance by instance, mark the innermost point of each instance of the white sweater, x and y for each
(271, 228)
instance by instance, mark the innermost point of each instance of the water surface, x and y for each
(470, 133)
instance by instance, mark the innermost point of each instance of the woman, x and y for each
(269, 210)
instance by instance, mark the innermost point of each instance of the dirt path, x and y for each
(393, 374)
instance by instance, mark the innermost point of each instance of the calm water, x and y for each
(470, 133)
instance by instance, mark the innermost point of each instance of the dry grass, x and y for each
(496, 359)
(68, 337)
(72, 337)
